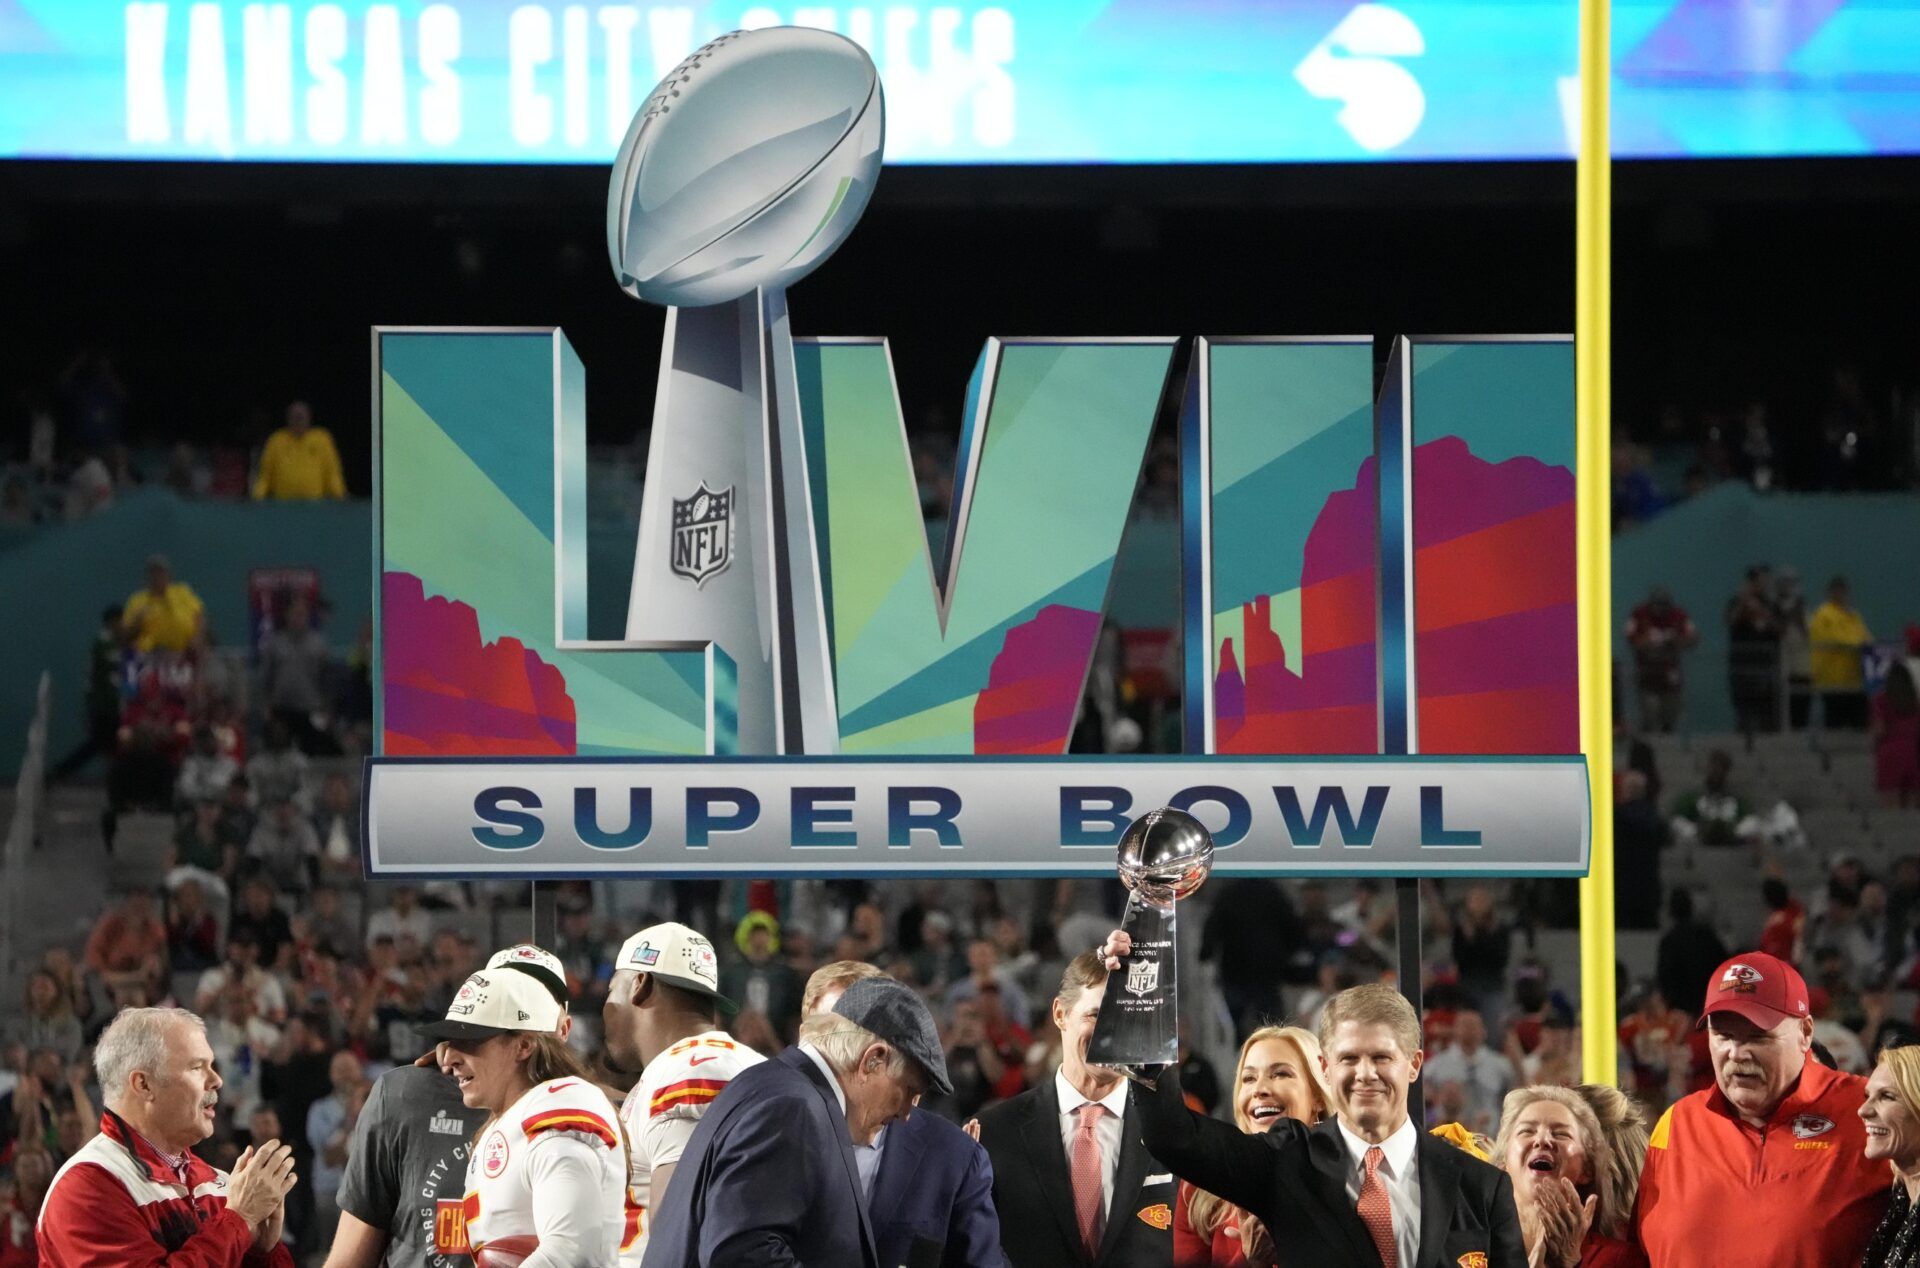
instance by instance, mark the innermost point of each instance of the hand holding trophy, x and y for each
(1165, 855)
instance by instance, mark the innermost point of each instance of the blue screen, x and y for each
(1026, 81)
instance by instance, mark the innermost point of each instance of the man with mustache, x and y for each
(135, 1196)
(1767, 1166)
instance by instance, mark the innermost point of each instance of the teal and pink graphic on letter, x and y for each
(476, 552)
(1496, 636)
(994, 658)
(482, 632)
(1294, 539)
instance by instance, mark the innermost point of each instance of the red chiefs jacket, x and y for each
(1798, 1194)
(118, 1204)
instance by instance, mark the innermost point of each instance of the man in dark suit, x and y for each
(1364, 1189)
(1071, 1180)
(769, 1176)
(929, 1186)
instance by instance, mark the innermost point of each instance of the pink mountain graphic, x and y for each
(1261, 703)
(1035, 682)
(449, 694)
(1494, 620)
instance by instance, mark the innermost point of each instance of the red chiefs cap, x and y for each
(1762, 988)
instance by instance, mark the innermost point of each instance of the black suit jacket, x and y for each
(932, 1199)
(1033, 1191)
(768, 1178)
(1294, 1178)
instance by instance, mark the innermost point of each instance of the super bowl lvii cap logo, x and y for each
(1380, 579)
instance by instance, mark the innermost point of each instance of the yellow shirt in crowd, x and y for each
(166, 622)
(300, 468)
(1837, 635)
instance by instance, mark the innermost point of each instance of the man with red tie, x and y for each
(1071, 1181)
(1365, 1188)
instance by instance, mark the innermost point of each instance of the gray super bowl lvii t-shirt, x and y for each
(409, 1153)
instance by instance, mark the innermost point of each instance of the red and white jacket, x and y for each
(118, 1204)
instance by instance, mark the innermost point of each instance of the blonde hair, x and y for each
(1903, 1067)
(550, 1059)
(840, 973)
(1206, 1212)
(841, 1042)
(553, 1059)
(1372, 1004)
(1613, 1207)
(1624, 1123)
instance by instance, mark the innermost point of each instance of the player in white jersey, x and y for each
(662, 1017)
(547, 1176)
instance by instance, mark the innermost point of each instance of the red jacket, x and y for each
(118, 1204)
(1600, 1251)
(17, 1249)
(1799, 1193)
(1221, 1251)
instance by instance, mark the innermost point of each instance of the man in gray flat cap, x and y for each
(769, 1177)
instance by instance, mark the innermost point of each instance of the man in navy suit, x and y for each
(1074, 1183)
(769, 1177)
(929, 1186)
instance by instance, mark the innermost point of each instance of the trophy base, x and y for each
(1147, 1076)
(1138, 1030)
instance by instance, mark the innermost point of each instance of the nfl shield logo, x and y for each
(1142, 977)
(702, 542)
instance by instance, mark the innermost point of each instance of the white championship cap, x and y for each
(495, 1002)
(542, 965)
(678, 956)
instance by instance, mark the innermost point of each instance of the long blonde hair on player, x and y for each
(552, 1059)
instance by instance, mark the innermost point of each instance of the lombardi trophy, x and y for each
(1165, 855)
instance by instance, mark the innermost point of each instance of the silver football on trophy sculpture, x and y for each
(748, 164)
(1165, 855)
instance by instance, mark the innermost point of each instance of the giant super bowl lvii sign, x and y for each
(1380, 670)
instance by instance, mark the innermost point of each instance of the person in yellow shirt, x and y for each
(1838, 637)
(300, 463)
(166, 614)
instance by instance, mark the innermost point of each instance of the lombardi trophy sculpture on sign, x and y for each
(1165, 855)
(750, 162)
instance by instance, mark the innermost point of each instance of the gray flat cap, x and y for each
(896, 1014)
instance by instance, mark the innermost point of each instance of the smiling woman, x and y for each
(1892, 1116)
(1279, 1077)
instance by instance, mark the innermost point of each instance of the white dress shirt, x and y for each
(1400, 1174)
(866, 1160)
(1106, 1132)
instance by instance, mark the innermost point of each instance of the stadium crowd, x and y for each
(310, 989)
(312, 981)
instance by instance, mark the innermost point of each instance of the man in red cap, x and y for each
(1767, 1166)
